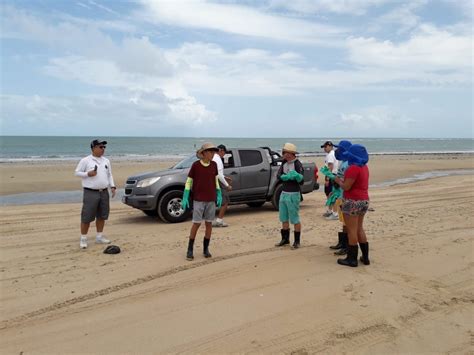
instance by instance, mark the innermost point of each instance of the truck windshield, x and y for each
(186, 163)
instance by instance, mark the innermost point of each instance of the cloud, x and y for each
(400, 19)
(428, 49)
(137, 111)
(240, 20)
(349, 7)
(209, 68)
(377, 118)
(105, 8)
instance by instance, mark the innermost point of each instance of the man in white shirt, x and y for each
(96, 174)
(225, 186)
(331, 162)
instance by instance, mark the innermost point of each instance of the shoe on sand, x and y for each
(219, 224)
(333, 217)
(83, 243)
(102, 240)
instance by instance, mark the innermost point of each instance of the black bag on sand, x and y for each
(112, 249)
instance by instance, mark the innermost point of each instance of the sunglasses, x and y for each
(102, 146)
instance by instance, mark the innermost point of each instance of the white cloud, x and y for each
(105, 8)
(351, 7)
(377, 118)
(211, 69)
(238, 19)
(466, 7)
(428, 49)
(145, 110)
(403, 18)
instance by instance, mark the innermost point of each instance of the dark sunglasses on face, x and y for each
(102, 146)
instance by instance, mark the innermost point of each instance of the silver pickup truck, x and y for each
(253, 172)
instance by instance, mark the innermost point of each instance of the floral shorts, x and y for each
(354, 207)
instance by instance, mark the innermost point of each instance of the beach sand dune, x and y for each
(417, 296)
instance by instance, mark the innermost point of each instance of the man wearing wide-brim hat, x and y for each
(291, 175)
(202, 180)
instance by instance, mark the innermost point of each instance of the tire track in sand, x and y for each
(138, 281)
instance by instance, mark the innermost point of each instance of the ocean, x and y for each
(33, 148)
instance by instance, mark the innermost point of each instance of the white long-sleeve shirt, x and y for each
(104, 177)
(220, 169)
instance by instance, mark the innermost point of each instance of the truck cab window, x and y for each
(228, 160)
(250, 157)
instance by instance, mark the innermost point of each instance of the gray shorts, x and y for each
(225, 194)
(95, 204)
(203, 211)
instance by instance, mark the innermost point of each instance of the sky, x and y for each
(268, 68)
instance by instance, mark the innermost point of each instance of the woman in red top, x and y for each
(355, 204)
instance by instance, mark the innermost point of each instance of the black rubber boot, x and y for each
(339, 243)
(206, 248)
(296, 243)
(344, 243)
(364, 248)
(189, 254)
(351, 259)
(285, 237)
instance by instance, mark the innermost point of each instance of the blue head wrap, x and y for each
(341, 150)
(357, 155)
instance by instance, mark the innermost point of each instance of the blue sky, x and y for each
(275, 68)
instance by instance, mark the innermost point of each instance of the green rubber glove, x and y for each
(219, 197)
(325, 170)
(284, 177)
(337, 191)
(294, 175)
(185, 200)
(335, 194)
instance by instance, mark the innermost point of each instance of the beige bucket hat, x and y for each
(206, 146)
(290, 148)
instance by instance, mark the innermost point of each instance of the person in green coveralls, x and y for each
(291, 175)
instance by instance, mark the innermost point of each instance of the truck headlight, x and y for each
(148, 182)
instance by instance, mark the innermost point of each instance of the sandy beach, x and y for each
(416, 297)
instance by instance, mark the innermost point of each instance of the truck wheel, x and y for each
(169, 207)
(276, 196)
(151, 213)
(256, 204)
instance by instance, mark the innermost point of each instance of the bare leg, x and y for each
(285, 225)
(208, 225)
(85, 228)
(361, 237)
(194, 230)
(222, 211)
(99, 225)
(297, 227)
(352, 223)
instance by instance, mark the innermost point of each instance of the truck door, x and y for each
(233, 172)
(254, 174)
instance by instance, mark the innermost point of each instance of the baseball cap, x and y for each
(97, 142)
(222, 146)
(326, 143)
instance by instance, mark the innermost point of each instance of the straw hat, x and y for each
(290, 148)
(206, 146)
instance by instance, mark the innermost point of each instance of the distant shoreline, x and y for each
(168, 157)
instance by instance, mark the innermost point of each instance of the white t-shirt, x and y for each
(104, 177)
(220, 169)
(331, 158)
